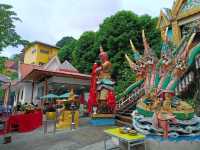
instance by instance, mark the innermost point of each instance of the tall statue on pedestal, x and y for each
(101, 97)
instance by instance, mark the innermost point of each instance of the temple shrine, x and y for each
(165, 87)
(101, 102)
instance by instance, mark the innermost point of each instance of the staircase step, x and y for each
(124, 113)
(124, 118)
(123, 123)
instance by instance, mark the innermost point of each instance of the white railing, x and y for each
(131, 98)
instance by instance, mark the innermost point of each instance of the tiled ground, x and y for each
(62, 140)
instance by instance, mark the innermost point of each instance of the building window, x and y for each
(33, 51)
(44, 51)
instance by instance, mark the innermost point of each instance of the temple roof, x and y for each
(55, 64)
(38, 74)
(168, 13)
(53, 68)
(24, 69)
(10, 64)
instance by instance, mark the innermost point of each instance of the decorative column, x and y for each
(45, 86)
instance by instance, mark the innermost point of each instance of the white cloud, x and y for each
(151, 7)
(50, 20)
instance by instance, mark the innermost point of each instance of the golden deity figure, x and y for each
(65, 119)
(105, 90)
(167, 103)
(72, 96)
(105, 68)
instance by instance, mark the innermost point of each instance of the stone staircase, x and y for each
(126, 106)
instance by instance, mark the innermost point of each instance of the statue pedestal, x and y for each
(102, 120)
(65, 120)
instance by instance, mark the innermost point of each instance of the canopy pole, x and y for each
(45, 87)
(33, 86)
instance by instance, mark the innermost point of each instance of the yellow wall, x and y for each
(39, 57)
(29, 57)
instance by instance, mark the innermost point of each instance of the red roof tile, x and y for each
(10, 64)
(25, 69)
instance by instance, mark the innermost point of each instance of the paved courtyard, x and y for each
(84, 138)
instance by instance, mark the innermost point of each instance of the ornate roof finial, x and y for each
(136, 54)
(146, 45)
(101, 49)
(165, 36)
(132, 46)
(130, 62)
(103, 55)
(186, 51)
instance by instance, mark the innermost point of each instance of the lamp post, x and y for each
(72, 108)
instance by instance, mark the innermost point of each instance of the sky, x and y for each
(50, 20)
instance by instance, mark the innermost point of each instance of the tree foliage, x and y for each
(67, 45)
(4, 71)
(114, 35)
(64, 41)
(8, 35)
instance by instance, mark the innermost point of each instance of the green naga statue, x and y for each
(163, 110)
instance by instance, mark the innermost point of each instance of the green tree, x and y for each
(65, 52)
(2, 66)
(114, 35)
(85, 53)
(15, 57)
(65, 41)
(8, 35)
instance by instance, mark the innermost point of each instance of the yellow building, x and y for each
(39, 53)
(183, 15)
